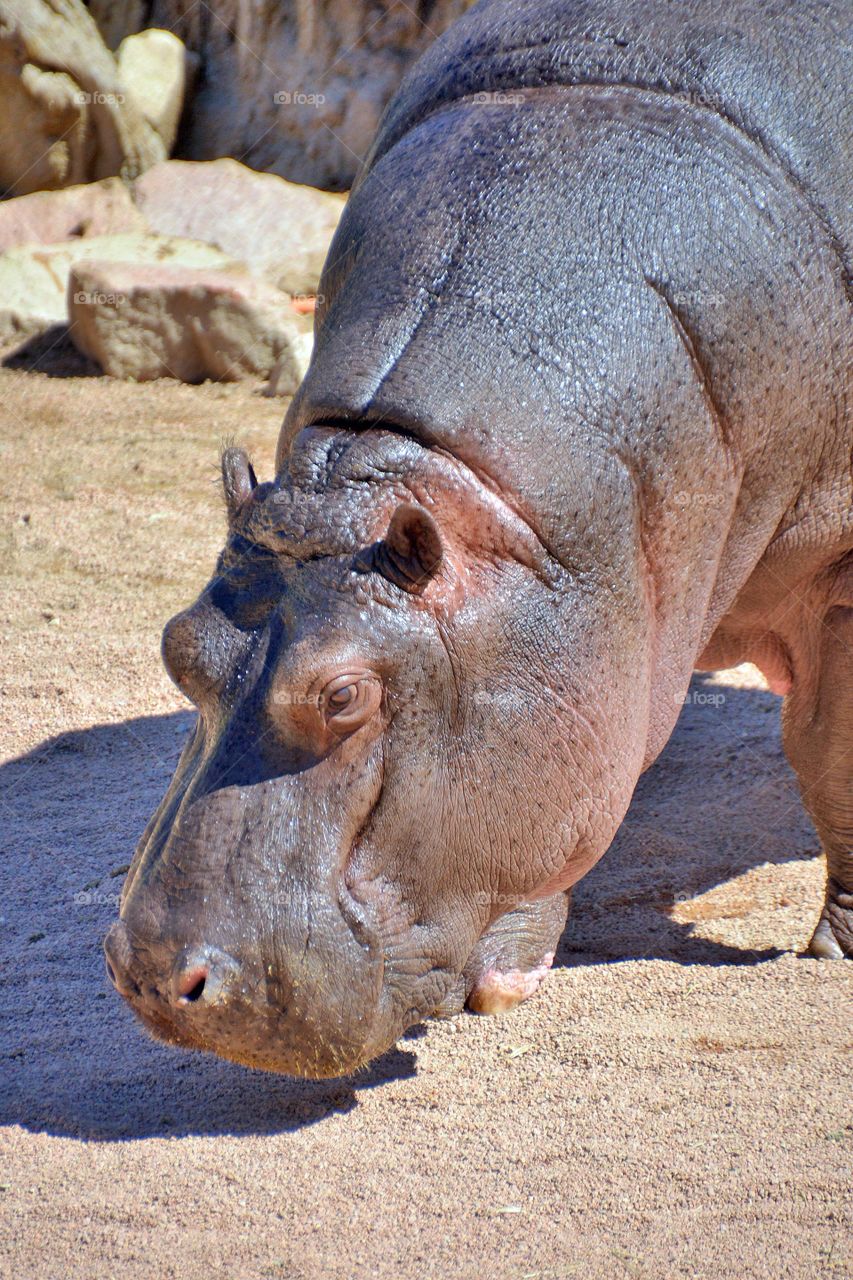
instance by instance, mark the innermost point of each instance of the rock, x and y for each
(34, 278)
(47, 217)
(64, 118)
(154, 321)
(156, 71)
(291, 87)
(282, 381)
(279, 229)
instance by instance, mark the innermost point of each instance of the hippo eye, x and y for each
(347, 702)
(340, 699)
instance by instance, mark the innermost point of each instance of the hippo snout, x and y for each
(294, 1014)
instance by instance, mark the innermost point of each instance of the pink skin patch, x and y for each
(780, 684)
(497, 992)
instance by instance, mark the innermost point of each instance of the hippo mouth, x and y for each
(245, 1017)
(212, 1002)
(264, 1041)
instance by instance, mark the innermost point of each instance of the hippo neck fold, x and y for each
(505, 47)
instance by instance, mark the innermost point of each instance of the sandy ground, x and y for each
(675, 1102)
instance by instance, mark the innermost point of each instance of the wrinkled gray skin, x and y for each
(577, 422)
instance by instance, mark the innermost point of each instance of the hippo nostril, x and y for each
(204, 976)
(190, 986)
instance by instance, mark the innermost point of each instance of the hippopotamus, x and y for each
(577, 423)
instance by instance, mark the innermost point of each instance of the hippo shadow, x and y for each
(76, 1062)
(720, 801)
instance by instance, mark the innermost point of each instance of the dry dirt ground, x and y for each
(675, 1101)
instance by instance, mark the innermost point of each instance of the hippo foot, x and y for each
(514, 954)
(833, 937)
(499, 991)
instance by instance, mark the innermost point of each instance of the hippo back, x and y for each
(779, 71)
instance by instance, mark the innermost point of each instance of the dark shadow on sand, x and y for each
(52, 353)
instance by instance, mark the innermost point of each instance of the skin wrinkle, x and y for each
(432, 295)
(512, 513)
(519, 533)
(702, 377)
(652, 585)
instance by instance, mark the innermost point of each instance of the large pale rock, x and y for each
(34, 278)
(279, 229)
(154, 321)
(156, 71)
(47, 217)
(293, 87)
(64, 118)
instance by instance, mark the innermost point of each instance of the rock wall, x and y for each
(294, 87)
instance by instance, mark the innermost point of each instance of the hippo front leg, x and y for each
(818, 735)
(514, 954)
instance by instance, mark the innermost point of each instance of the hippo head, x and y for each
(377, 771)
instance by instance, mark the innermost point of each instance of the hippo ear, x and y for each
(411, 552)
(238, 480)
